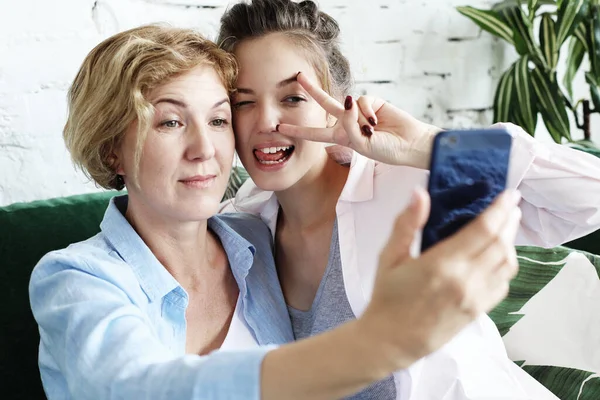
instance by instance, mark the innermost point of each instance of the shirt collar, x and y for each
(240, 252)
(154, 278)
(359, 185)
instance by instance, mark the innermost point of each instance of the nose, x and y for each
(200, 145)
(268, 118)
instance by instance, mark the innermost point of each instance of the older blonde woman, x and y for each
(139, 310)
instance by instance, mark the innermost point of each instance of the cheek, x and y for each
(154, 164)
(225, 143)
(241, 133)
(239, 120)
(311, 150)
(312, 115)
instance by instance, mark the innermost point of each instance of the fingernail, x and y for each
(367, 130)
(348, 103)
(372, 121)
(298, 74)
(277, 127)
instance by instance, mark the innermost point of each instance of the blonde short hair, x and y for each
(108, 93)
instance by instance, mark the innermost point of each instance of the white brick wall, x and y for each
(420, 55)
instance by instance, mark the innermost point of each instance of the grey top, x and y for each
(331, 308)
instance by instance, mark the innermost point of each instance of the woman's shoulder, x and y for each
(251, 227)
(396, 181)
(95, 258)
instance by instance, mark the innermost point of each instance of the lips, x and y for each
(270, 155)
(198, 181)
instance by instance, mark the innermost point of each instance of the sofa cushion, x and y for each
(27, 232)
(550, 321)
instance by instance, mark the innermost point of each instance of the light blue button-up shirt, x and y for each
(112, 319)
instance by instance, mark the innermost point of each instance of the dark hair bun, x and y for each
(325, 27)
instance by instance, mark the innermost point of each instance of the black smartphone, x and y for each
(468, 171)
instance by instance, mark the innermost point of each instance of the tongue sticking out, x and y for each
(272, 156)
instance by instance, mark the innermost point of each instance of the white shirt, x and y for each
(561, 199)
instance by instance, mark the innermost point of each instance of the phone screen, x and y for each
(468, 170)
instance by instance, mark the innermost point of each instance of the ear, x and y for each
(115, 163)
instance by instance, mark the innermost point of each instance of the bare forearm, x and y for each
(329, 366)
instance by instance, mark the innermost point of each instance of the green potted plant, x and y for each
(531, 85)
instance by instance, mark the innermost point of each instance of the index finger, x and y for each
(324, 135)
(329, 104)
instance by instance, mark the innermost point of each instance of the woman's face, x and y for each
(267, 95)
(187, 155)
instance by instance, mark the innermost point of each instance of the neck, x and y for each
(185, 249)
(312, 200)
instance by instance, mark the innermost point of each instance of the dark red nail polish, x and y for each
(348, 103)
(367, 130)
(372, 121)
(277, 127)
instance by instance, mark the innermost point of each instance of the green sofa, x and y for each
(27, 232)
(30, 230)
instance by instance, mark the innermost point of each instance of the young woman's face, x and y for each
(188, 152)
(267, 95)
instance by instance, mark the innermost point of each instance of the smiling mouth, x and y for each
(273, 155)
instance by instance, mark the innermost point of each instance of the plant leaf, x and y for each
(548, 41)
(504, 96)
(593, 39)
(523, 34)
(594, 83)
(574, 60)
(525, 110)
(510, 3)
(551, 105)
(488, 21)
(532, 5)
(570, 14)
(582, 34)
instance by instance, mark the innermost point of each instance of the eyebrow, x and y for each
(171, 101)
(184, 105)
(279, 85)
(220, 102)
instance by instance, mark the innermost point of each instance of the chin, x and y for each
(201, 210)
(272, 182)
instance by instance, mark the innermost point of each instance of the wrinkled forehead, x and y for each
(201, 84)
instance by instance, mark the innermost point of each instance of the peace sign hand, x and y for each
(370, 126)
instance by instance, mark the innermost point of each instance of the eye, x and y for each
(293, 100)
(219, 122)
(171, 124)
(240, 104)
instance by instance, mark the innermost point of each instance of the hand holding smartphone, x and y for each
(468, 171)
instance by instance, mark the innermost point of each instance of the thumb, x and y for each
(406, 226)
